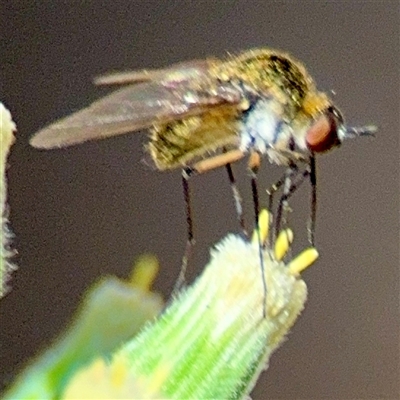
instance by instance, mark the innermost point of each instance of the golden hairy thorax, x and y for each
(264, 72)
(271, 72)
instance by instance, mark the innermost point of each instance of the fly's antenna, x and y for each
(351, 132)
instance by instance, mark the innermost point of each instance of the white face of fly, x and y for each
(264, 131)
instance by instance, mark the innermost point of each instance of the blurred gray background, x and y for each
(89, 210)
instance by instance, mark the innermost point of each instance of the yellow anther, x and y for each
(158, 378)
(283, 242)
(119, 372)
(144, 272)
(303, 261)
(263, 223)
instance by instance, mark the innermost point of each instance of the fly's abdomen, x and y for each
(179, 143)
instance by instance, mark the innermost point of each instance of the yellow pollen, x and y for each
(263, 223)
(282, 244)
(303, 261)
(119, 373)
(144, 272)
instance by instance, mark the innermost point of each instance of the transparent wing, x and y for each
(175, 94)
(184, 70)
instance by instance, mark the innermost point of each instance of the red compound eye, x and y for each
(322, 136)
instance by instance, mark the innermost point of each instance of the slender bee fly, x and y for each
(204, 114)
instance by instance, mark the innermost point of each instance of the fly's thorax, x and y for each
(263, 71)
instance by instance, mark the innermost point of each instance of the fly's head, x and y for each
(325, 128)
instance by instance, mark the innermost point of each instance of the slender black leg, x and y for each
(237, 198)
(291, 185)
(254, 191)
(281, 213)
(271, 192)
(313, 216)
(256, 204)
(199, 168)
(186, 174)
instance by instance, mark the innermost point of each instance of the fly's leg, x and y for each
(290, 186)
(254, 165)
(271, 192)
(198, 168)
(186, 174)
(236, 197)
(283, 205)
(313, 216)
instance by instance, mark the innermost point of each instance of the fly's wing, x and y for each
(170, 96)
(183, 69)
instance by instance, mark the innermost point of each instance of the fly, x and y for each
(204, 114)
